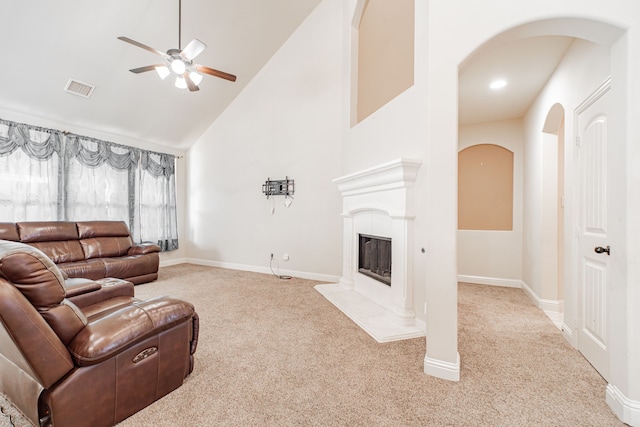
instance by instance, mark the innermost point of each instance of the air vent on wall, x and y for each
(78, 88)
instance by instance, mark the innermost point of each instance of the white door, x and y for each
(595, 249)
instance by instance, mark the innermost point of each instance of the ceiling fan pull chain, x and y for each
(179, 24)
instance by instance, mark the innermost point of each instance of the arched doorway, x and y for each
(553, 138)
(551, 266)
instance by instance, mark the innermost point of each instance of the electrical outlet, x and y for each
(285, 257)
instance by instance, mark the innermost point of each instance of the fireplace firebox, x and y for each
(374, 259)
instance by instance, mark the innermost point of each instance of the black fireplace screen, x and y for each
(374, 258)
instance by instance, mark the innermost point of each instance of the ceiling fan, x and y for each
(180, 61)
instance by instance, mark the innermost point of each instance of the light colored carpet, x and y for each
(276, 353)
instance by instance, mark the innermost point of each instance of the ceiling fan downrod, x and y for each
(179, 24)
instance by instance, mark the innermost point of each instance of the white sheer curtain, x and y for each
(30, 173)
(46, 175)
(157, 213)
(100, 180)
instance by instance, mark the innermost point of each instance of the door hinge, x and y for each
(578, 141)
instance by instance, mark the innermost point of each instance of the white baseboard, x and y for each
(554, 309)
(626, 409)
(441, 369)
(266, 270)
(553, 306)
(176, 261)
(493, 281)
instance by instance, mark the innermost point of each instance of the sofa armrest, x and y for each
(143, 248)
(108, 288)
(109, 335)
(79, 286)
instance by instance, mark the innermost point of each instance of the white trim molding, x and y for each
(626, 409)
(327, 278)
(441, 369)
(491, 281)
(554, 309)
(176, 261)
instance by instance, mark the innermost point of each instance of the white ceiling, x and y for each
(45, 43)
(48, 42)
(526, 64)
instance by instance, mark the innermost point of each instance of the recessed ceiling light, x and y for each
(498, 84)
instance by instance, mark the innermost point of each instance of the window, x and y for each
(51, 176)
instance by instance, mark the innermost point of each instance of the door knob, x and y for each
(600, 249)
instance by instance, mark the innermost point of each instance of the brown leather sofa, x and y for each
(79, 352)
(89, 249)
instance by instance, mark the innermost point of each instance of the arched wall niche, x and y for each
(383, 47)
(485, 188)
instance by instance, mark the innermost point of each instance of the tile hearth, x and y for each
(371, 317)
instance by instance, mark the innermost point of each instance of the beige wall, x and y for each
(485, 188)
(385, 53)
(494, 256)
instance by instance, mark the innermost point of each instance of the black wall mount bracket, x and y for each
(280, 187)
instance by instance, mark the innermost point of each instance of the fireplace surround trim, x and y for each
(380, 201)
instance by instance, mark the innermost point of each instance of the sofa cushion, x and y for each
(33, 273)
(99, 247)
(131, 266)
(9, 231)
(40, 281)
(111, 332)
(61, 251)
(88, 229)
(47, 231)
(21, 323)
(89, 269)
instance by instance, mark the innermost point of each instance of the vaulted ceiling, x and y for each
(46, 43)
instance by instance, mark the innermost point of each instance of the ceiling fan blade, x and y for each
(190, 84)
(145, 68)
(143, 46)
(193, 49)
(215, 73)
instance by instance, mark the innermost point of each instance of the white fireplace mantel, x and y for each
(394, 174)
(378, 201)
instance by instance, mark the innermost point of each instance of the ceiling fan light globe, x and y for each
(163, 71)
(196, 78)
(178, 66)
(181, 83)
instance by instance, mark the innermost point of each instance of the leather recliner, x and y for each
(77, 352)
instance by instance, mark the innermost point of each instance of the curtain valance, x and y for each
(94, 153)
(37, 143)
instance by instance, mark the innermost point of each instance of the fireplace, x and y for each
(374, 257)
(376, 286)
